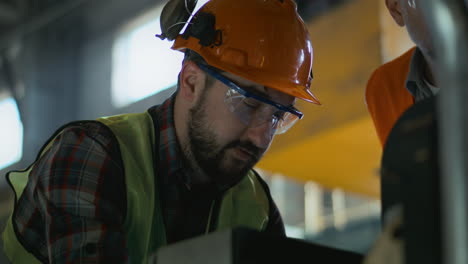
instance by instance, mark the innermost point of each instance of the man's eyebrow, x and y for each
(251, 89)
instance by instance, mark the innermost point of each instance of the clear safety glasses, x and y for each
(254, 110)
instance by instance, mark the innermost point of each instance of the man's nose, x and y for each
(261, 135)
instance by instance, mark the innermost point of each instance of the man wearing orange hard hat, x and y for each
(183, 168)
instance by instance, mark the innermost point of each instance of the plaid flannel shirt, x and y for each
(74, 205)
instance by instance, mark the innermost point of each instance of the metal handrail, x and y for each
(448, 20)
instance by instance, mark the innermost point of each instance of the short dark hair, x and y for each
(191, 55)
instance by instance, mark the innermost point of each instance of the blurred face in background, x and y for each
(408, 13)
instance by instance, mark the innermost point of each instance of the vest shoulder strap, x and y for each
(144, 222)
(246, 204)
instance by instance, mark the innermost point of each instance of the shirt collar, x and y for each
(415, 82)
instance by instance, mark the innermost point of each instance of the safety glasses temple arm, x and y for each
(230, 84)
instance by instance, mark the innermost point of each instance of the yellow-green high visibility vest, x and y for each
(245, 204)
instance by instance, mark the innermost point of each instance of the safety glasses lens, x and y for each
(255, 113)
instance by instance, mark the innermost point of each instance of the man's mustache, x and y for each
(247, 146)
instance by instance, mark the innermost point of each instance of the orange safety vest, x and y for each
(386, 94)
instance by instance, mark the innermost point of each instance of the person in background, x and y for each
(399, 93)
(398, 84)
(116, 189)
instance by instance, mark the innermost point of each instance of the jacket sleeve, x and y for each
(74, 204)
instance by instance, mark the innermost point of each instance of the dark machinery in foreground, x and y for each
(235, 246)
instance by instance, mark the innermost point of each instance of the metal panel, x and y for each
(247, 246)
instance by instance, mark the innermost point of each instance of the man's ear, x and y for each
(394, 8)
(191, 81)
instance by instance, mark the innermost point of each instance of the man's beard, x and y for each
(211, 157)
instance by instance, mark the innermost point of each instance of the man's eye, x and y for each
(252, 103)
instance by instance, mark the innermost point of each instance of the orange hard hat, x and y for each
(264, 41)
